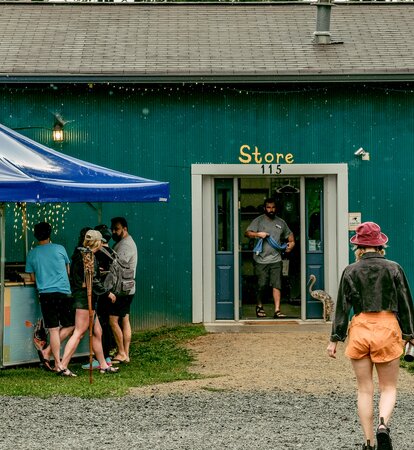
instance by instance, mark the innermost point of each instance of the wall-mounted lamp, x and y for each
(57, 133)
(362, 153)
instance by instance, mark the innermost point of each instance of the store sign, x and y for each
(250, 155)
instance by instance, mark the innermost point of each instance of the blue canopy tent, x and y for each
(33, 173)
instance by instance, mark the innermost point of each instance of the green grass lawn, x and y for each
(157, 356)
(408, 366)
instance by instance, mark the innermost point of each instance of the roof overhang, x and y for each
(208, 79)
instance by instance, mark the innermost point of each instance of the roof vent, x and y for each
(322, 34)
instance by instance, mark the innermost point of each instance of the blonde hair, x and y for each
(92, 243)
(360, 251)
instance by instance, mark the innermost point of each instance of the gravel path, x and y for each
(204, 420)
(262, 394)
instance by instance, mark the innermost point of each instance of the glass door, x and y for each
(224, 249)
(314, 244)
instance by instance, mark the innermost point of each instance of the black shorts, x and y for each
(104, 305)
(269, 274)
(81, 300)
(121, 307)
(57, 309)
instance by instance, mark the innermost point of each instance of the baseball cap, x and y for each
(94, 235)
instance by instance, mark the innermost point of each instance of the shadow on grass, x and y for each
(157, 356)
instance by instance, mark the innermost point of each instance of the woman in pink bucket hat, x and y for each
(377, 291)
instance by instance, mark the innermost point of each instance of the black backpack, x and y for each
(120, 277)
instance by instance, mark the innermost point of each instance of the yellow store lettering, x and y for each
(247, 156)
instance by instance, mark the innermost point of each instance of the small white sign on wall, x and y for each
(354, 219)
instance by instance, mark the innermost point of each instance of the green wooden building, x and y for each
(230, 103)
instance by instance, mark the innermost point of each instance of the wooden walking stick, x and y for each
(88, 267)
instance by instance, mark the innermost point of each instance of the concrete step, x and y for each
(269, 326)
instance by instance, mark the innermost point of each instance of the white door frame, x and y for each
(202, 203)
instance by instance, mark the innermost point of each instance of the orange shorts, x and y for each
(375, 335)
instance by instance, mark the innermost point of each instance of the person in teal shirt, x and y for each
(48, 266)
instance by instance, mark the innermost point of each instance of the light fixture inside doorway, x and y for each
(287, 189)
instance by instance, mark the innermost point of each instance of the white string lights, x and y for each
(26, 216)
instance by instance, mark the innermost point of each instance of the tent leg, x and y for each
(2, 267)
(98, 209)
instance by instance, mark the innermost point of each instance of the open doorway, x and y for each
(286, 193)
(222, 192)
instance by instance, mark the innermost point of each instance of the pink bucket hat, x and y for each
(368, 234)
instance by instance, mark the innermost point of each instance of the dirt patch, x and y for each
(286, 361)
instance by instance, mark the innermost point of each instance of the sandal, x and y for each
(278, 315)
(119, 361)
(109, 369)
(383, 436)
(260, 311)
(45, 363)
(368, 446)
(65, 373)
(47, 366)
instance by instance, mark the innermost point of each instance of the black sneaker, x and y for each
(383, 436)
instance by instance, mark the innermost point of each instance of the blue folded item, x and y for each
(258, 248)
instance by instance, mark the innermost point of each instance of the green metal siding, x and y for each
(159, 131)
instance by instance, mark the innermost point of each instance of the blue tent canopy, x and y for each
(31, 172)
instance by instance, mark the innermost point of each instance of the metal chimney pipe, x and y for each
(322, 34)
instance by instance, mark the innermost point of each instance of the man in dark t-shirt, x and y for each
(268, 261)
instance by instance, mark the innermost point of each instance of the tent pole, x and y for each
(2, 266)
(24, 226)
(98, 210)
(99, 213)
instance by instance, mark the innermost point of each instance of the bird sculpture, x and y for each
(323, 297)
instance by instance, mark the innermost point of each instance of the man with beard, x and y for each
(271, 232)
(126, 248)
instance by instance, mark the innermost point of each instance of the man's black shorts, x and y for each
(57, 310)
(269, 274)
(121, 307)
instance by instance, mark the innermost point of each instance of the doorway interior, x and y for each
(235, 271)
(286, 192)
